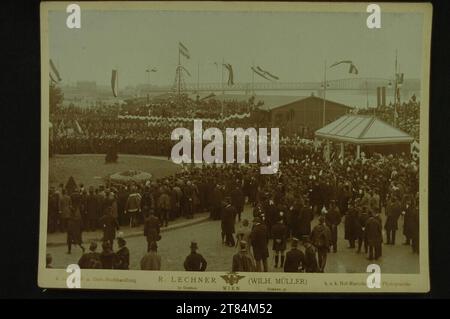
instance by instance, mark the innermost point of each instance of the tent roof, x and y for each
(363, 129)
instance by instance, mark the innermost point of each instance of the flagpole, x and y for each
(223, 62)
(395, 90)
(253, 78)
(324, 91)
(179, 71)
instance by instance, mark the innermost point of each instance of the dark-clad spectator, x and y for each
(107, 257)
(110, 226)
(333, 219)
(393, 212)
(227, 224)
(91, 259)
(74, 233)
(164, 207)
(65, 203)
(374, 236)
(243, 261)
(194, 261)
(311, 264)
(258, 238)
(123, 254)
(151, 229)
(321, 239)
(151, 260)
(407, 223)
(238, 200)
(295, 258)
(351, 225)
(279, 235)
(305, 219)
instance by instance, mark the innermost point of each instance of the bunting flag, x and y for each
(184, 69)
(399, 77)
(115, 82)
(207, 97)
(183, 50)
(230, 73)
(54, 74)
(351, 70)
(260, 74)
(151, 70)
(266, 73)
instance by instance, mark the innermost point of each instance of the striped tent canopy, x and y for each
(363, 129)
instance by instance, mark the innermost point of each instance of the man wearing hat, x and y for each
(123, 254)
(295, 259)
(194, 261)
(151, 229)
(258, 239)
(228, 219)
(90, 260)
(333, 219)
(311, 264)
(151, 261)
(321, 238)
(279, 235)
(242, 261)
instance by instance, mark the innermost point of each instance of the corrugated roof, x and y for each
(363, 129)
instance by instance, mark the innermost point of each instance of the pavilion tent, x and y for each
(365, 130)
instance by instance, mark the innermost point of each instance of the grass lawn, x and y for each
(89, 169)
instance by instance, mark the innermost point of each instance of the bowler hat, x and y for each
(194, 245)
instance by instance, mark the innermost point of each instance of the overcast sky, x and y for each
(292, 46)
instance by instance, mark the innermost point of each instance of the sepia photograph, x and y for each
(214, 146)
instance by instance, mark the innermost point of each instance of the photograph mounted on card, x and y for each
(248, 147)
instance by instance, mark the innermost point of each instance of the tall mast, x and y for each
(324, 91)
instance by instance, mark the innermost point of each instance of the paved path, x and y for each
(174, 247)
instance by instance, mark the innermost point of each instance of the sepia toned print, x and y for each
(277, 147)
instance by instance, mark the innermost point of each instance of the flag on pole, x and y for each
(54, 74)
(183, 50)
(351, 70)
(264, 74)
(151, 70)
(115, 82)
(230, 73)
(400, 78)
(267, 73)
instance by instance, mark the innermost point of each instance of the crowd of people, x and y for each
(405, 116)
(348, 190)
(284, 204)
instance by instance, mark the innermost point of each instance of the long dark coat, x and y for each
(110, 225)
(152, 228)
(373, 231)
(258, 239)
(408, 224)
(295, 260)
(228, 218)
(305, 219)
(279, 235)
(351, 228)
(74, 227)
(393, 212)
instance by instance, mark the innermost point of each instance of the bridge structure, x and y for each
(362, 85)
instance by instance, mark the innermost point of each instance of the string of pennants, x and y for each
(154, 120)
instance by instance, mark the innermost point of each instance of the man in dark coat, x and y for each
(351, 225)
(228, 218)
(311, 265)
(295, 259)
(258, 239)
(363, 216)
(333, 219)
(123, 255)
(90, 260)
(393, 212)
(109, 225)
(374, 236)
(279, 235)
(107, 257)
(74, 232)
(151, 229)
(243, 261)
(321, 239)
(238, 200)
(194, 261)
(53, 210)
(216, 203)
(305, 219)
